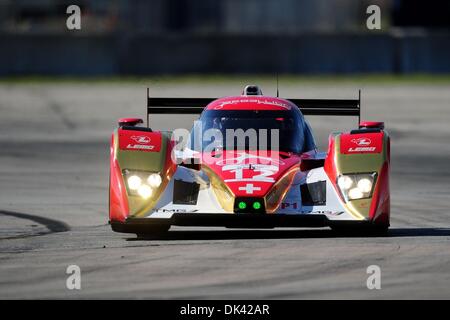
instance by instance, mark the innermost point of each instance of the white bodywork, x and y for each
(291, 203)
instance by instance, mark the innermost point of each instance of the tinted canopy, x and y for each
(253, 130)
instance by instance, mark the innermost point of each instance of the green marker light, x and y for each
(256, 205)
(242, 205)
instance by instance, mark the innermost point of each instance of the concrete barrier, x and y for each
(175, 54)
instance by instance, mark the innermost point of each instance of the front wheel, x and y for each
(361, 230)
(140, 229)
(153, 231)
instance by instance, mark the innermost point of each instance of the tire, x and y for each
(361, 230)
(153, 231)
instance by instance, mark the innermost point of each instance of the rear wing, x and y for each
(314, 107)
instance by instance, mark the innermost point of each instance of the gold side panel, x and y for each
(279, 190)
(145, 161)
(359, 163)
(223, 194)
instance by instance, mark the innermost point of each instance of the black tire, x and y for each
(361, 230)
(153, 231)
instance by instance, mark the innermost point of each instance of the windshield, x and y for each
(252, 130)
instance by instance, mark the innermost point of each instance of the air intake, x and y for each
(252, 90)
(185, 192)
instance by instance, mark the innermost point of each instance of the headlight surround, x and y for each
(141, 183)
(356, 186)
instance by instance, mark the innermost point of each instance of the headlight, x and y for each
(141, 183)
(154, 180)
(145, 191)
(356, 186)
(134, 182)
(345, 182)
(365, 185)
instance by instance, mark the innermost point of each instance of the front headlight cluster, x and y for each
(356, 186)
(141, 183)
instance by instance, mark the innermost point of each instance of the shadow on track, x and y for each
(289, 234)
(53, 226)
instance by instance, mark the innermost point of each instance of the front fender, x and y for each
(362, 151)
(139, 150)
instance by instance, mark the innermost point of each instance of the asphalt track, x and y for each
(53, 205)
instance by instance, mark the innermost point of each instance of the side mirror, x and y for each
(129, 122)
(371, 125)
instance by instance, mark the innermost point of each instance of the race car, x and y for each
(249, 161)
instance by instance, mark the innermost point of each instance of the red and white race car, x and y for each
(249, 161)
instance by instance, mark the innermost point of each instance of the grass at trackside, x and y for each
(199, 79)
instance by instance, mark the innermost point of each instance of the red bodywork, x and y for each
(136, 141)
(380, 207)
(139, 140)
(129, 121)
(373, 142)
(371, 124)
(330, 164)
(361, 143)
(251, 173)
(118, 202)
(250, 103)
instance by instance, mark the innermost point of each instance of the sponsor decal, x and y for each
(362, 149)
(159, 210)
(327, 212)
(139, 147)
(362, 142)
(286, 205)
(142, 143)
(141, 139)
(132, 140)
(363, 145)
(294, 205)
(257, 101)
